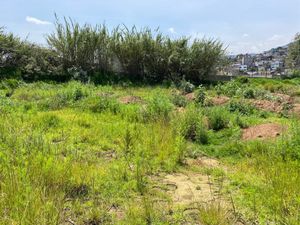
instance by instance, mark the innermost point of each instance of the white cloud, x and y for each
(245, 35)
(172, 30)
(276, 37)
(36, 21)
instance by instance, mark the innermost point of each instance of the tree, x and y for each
(293, 58)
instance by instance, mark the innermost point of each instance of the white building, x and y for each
(243, 67)
(276, 65)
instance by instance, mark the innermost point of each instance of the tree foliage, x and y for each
(293, 59)
(85, 52)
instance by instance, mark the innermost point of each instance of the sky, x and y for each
(244, 26)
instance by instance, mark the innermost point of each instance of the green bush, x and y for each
(95, 53)
(240, 106)
(186, 87)
(178, 100)
(101, 104)
(249, 93)
(158, 107)
(218, 118)
(241, 122)
(296, 73)
(230, 89)
(200, 95)
(10, 84)
(192, 126)
(242, 80)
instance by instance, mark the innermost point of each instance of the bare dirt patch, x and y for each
(204, 162)
(187, 188)
(267, 105)
(283, 98)
(220, 100)
(190, 96)
(296, 109)
(130, 100)
(263, 131)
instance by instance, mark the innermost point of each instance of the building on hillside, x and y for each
(243, 68)
(276, 65)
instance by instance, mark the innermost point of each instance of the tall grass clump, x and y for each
(218, 118)
(83, 48)
(192, 125)
(159, 107)
(96, 54)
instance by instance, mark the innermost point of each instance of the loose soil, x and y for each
(267, 105)
(204, 162)
(296, 109)
(263, 131)
(283, 98)
(190, 96)
(190, 187)
(220, 100)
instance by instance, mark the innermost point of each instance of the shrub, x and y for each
(249, 93)
(186, 87)
(159, 107)
(200, 95)
(178, 100)
(242, 80)
(240, 122)
(78, 94)
(10, 84)
(230, 89)
(218, 118)
(296, 73)
(241, 107)
(202, 135)
(192, 126)
(103, 104)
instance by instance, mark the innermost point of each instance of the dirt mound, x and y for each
(267, 105)
(220, 100)
(190, 96)
(262, 131)
(130, 99)
(296, 109)
(283, 98)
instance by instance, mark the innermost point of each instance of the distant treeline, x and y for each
(97, 54)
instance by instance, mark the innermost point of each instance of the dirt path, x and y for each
(188, 187)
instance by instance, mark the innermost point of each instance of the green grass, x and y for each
(73, 152)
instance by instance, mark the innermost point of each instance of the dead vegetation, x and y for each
(130, 99)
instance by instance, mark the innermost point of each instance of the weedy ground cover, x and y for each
(75, 153)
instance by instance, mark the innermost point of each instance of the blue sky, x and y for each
(243, 25)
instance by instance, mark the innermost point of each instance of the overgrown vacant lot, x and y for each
(82, 154)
